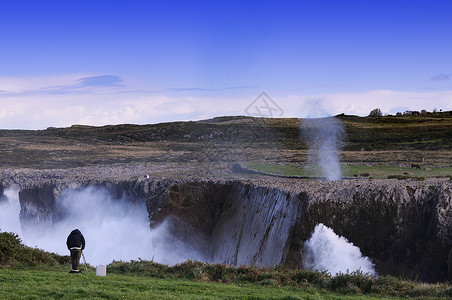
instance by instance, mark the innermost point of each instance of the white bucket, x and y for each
(101, 270)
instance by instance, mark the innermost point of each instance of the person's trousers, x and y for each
(75, 258)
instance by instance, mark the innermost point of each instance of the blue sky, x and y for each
(147, 61)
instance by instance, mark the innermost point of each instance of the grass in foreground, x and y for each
(35, 274)
(355, 283)
(58, 284)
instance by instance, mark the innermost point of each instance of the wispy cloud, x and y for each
(65, 85)
(101, 81)
(91, 84)
(441, 77)
(108, 99)
(24, 84)
(98, 84)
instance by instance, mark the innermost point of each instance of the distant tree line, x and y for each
(376, 112)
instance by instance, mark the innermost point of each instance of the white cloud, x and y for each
(28, 104)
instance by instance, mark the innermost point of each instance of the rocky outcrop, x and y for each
(449, 265)
(2, 196)
(403, 226)
(241, 223)
(38, 205)
(256, 226)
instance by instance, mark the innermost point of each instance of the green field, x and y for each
(350, 170)
(56, 283)
(30, 273)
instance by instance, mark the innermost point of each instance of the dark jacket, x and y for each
(75, 239)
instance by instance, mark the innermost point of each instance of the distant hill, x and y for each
(82, 145)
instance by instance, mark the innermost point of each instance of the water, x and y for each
(326, 251)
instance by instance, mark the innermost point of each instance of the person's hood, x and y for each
(75, 231)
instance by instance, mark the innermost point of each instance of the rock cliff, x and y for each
(2, 197)
(405, 227)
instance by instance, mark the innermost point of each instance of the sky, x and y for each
(112, 62)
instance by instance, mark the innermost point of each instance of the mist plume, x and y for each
(324, 137)
(113, 229)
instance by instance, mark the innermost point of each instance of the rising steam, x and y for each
(326, 251)
(324, 137)
(113, 229)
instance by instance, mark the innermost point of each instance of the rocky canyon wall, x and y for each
(403, 226)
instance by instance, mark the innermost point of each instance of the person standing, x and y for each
(75, 243)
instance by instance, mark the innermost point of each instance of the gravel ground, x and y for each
(25, 178)
(85, 175)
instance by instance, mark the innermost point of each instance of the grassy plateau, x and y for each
(352, 170)
(378, 141)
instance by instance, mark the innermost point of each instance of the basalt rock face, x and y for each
(2, 196)
(256, 226)
(403, 226)
(198, 203)
(2, 193)
(242, 224)
(38, 205)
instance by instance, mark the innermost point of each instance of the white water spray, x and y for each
(9, 212)
(326, 251)
(324, 137)
(113, 229)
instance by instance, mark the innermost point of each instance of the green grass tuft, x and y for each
(355, 283)
(13, 252)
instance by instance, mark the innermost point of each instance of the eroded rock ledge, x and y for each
(405, 227)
